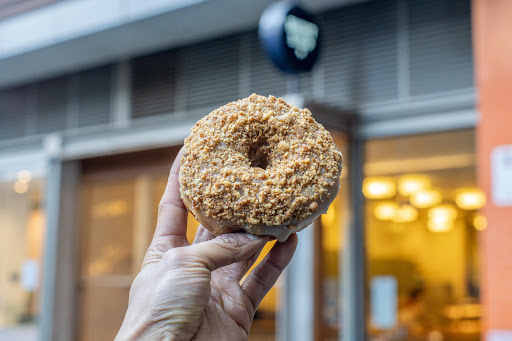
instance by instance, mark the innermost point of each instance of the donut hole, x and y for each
(259, 154)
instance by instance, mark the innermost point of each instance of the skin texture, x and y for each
(193, 292)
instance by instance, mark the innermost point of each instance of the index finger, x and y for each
(171, 194)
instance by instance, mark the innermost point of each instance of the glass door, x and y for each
(119, 198)
(119, 203)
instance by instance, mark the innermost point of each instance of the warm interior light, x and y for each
(331, 235)
(441, 218)
(480, 222)
(110, 208)
(426, 198)
(439, 225)
(379, 188)
(443, 213)
(329, 218)
(471, 199)
(410, 184)
(20, 187)
(405, 214)
(385, 210)
(24, 176)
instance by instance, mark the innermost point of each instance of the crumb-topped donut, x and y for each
(259, 165)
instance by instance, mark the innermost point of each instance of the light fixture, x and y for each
(426, 198)
(443, 213)
(480, 222)
(379, 188)
(20, 187)
(470, 199)
(405, 214)
(441, 218)
(410, 184)
(385, 210)
(24, 176)
(440, 225)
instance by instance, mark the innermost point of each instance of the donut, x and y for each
(259, 165)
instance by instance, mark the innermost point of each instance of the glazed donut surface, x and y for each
(259, 165)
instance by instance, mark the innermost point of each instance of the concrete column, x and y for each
(353, 256)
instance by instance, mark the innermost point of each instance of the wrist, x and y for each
(132, 328)
(140, 331)
(128, 333)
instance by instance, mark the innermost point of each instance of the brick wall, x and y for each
(492, 33)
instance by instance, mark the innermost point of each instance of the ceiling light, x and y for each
(379, 188)
(24, 176)
(439, 225)
(385, 210)
(410, 184)
(405, 214)
(470, 199)
(443, 213)
(480, 222)
(426, 198)
(20, 187)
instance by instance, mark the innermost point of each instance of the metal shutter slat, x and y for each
(211, 72)
(94, 96)
(440, 46)
(13, 112)
(360, 58)
(51, 105)
(154, 84)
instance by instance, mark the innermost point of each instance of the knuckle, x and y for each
(174, 256)
(161, 208)
(276, 265)
(231, 240)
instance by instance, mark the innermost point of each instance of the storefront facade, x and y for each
(394, 86)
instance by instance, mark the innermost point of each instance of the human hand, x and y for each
(186, 292)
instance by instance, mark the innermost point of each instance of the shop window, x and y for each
(22, 231)
(422, 224)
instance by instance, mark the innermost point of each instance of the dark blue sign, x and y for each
(290, 37)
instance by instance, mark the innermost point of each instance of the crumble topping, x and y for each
(259, 161)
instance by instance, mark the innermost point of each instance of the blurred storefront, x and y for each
(89, 146)
(422, 227)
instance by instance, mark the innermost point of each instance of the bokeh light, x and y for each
(20, 187)
(470, 199)
(405, 214)
(24, 176)
(426, 198)
(379, 188)
(410, 184)
(385, 210)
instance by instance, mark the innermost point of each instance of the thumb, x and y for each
(227, 249)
